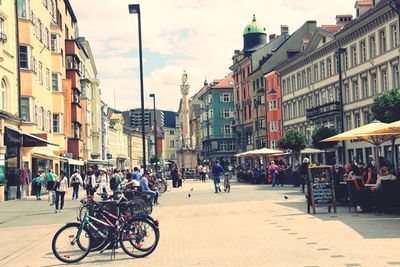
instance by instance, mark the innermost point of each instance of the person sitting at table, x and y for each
(347, 170)
(383, 175)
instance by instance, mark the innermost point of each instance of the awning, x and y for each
(17, 138)
(45, 155)
(75, 162)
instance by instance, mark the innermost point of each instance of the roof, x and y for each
(227, 82)
(331, 28)
(254, 27)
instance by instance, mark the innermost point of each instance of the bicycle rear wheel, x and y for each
(139, 238)
(71, 243)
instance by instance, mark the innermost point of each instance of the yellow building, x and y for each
(9, 160)
(117, 141)
(44, 28)
(135, 147)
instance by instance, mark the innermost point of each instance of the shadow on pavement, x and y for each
(368, 225)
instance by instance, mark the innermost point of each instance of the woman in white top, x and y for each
(104, 181)
(61, 187)
(90, 182)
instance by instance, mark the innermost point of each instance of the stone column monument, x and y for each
(185, 111)
(187, 155)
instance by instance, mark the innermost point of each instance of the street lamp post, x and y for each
(135, 9)
(339, 54)
(256, 104)
(155, 128)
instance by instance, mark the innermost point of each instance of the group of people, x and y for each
(94, 180)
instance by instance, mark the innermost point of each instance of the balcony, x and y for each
(322, 111)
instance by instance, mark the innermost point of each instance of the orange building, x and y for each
(274, 108)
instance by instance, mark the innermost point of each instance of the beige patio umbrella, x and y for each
(243, 154)
(311, 151)
(365, 133)
(264, 152)
(391, 129)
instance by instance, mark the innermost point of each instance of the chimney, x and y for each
(362, 6)
(304, 44)
(284, 29)
(343, 20)
(272, 37)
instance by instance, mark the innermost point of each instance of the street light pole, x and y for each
(135, 9)
(340, 52)
(256, 103)
(208, 135)
(155, 129)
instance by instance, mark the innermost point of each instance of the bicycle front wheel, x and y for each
(71, 243)
(139, 238)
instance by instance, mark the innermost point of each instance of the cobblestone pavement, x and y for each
(252, 226)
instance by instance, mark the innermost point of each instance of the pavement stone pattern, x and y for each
(252, 226)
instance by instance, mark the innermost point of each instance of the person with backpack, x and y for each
(37, 184)
(61, 187)
(216, 171)
(115, 181)
(50, 181)
(273, 170)
(75, 182)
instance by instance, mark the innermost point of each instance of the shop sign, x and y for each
(12, 138)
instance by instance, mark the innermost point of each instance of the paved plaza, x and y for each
(254, 225)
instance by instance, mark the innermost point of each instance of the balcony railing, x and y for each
(325, 110)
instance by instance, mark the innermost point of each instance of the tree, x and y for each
(321, 134)
(386, 108)
(154, 159)
(293, 140)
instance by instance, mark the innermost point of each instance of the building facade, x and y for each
(133, 118)
(368, 48)
(217, 117)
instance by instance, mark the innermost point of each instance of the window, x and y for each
(40, 72)
(48, 78)
(2, 26)
(226, 129)
(295, 109)
(53, 42)
(25, 109)
(232, 146)
(3, 94)
(284, 87)
(316, 73)
(322, 69)
(301, 107)
(329, 66)
(374, 86)
(293, 83)
(223, 146)
(225, 97)
(346, 93)
(366, 116)
(384, 79)
(272, 105)
(323, 97)
(289, 85)
(273, 144)
(357, 119)
(356, 95)
(348, 122)
(55, 82)
(303, 78)
(353, 51)
(171, 132)
(298, 81)
(363, 51)
(24, 57)
(394, 35)
(46, 125)
(23, 8)
(346, 60)
(273, 126)
(309, 81)
(171, 143)
(226, 113)
(262, 124)
(396, 77)
(372, 46)
(382, 41)
(364, 85)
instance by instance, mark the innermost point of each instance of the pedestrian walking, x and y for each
(37, 184)
(115, 182)
(273, 170)
(104, 181)
(295, 172)
(175, 176)
(75, 183)
(304, 173)
(50, 182)
(90, 182)
(216, 171)
(60, 187)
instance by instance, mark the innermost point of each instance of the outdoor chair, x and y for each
(388, 199)
(355, 197)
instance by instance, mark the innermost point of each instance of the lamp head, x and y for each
(152, 95)
(134, 9)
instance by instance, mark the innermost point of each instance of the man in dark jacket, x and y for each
(216, 171)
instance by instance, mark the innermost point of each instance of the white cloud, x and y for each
(202, 34)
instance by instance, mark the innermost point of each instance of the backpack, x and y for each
(74, 179)
(113, 182)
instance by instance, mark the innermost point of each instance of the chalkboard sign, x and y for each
(320, 187)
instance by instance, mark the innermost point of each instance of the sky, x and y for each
(198, 36)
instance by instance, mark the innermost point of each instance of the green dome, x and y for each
(254, 27)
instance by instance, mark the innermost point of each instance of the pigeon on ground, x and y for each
(191, 189)
(188, 195)
(285, 197)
